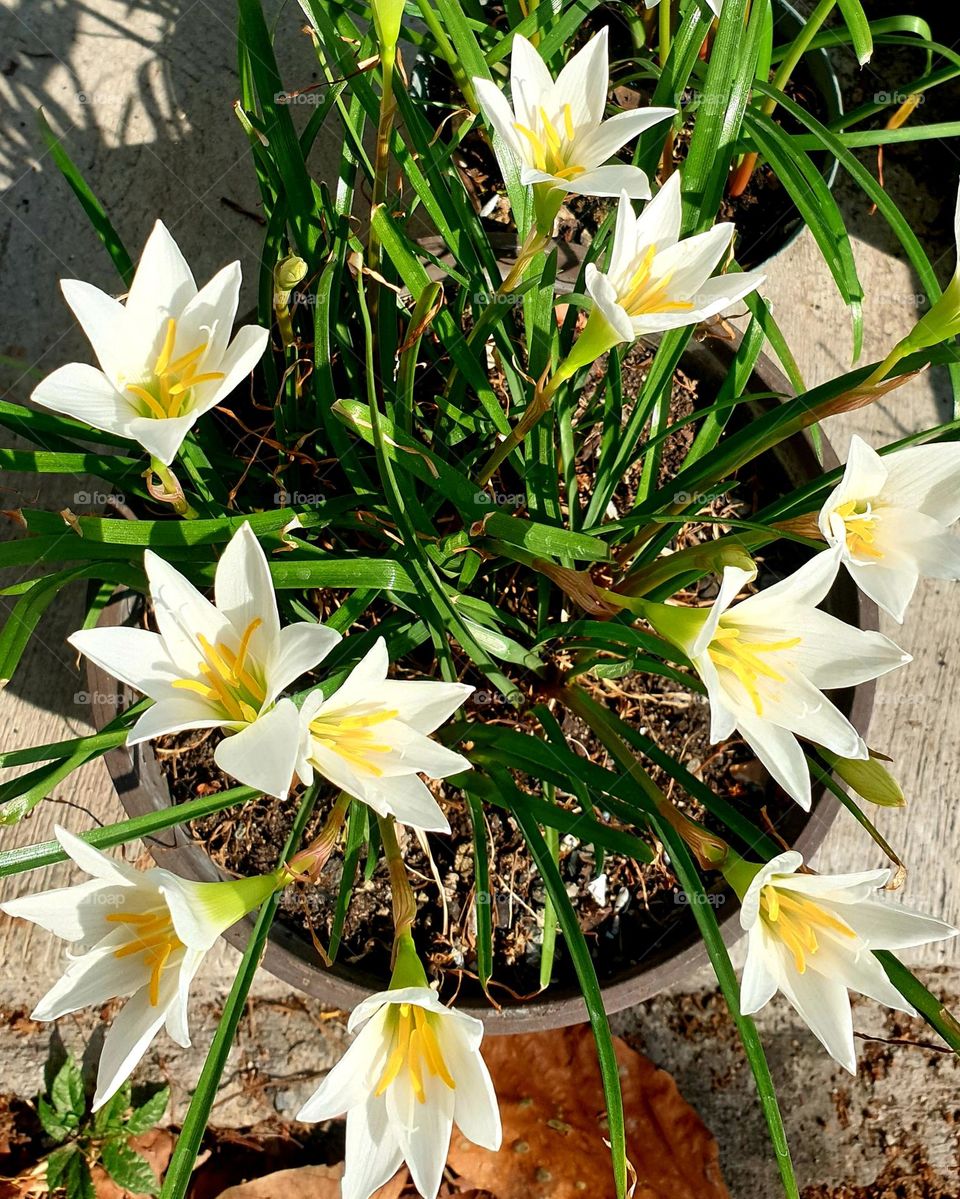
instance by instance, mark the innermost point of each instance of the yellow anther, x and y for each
(794, 919)
(414, 1049)
(741, 658)
(225, 679)
(861, 529)
(351, 738)
(551, 148)
(167, 389)
(153, 936)
(171, 336)
(644, 294)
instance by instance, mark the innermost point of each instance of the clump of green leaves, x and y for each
(85, 1138)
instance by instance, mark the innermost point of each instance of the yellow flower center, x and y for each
(551, 147)
(643, 294)
(794, 919)
(352, 739)
(729, 651)
(153, 936)
(226, 678)
(861, 528)
(166, 391)
(414, 1047)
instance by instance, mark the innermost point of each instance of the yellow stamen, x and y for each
(551, 148)
(153, 936)
(742, 659)
(794, 919)
(164, 360)
(167, 389)
(351, 738)
(642, 294)
(861, 529)
(414, 1047)
(225, 678)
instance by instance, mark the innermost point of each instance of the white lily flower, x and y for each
(811, 936)
(142, 934)
(658, 281)
(220, 665)
(165, 355)
(556, 131)
(766, 660)
(414, 1069)
(888, 518)
(371, 739)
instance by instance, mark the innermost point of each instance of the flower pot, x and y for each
(291, 957)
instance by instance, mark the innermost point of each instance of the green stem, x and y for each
(180, 1170)
(174, 492)
(308, 865)
(404, 901)
(432, 21)
(898, 353)
(381, 161)
(801, 43)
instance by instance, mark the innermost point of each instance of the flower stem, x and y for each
(309, 863)
(535, 242)
(404, 901)
(708, 848)
(801, 43)
(898, 352)
(381, 161)
(172, 492)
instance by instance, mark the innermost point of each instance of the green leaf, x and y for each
(180, 1169)
(110, 1117)
(587, 977)
(96, 213)
(150, 1113)
(45, 853)
(67, 1091)
(128, 1168)
(67, 1170)
(57, 1125)
(858, 25)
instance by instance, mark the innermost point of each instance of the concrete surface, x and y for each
(143, 92)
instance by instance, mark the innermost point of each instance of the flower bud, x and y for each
(870, 779)
(288, 272)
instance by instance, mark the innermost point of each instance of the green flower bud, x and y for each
(870, 779)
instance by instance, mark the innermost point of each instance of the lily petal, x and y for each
(264, 754)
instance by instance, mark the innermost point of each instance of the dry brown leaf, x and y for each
(554, 1126)
(308, 1182)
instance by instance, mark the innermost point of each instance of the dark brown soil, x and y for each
(629, 911)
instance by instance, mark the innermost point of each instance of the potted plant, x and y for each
(419, 589)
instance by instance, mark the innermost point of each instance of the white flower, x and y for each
(766, 660)
(165, 355)
(656, 281)
(414, 1069)
(556, 130)
(889, 515)
(371, 739)
(218, 666)
(812, 936)
(142, 934)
